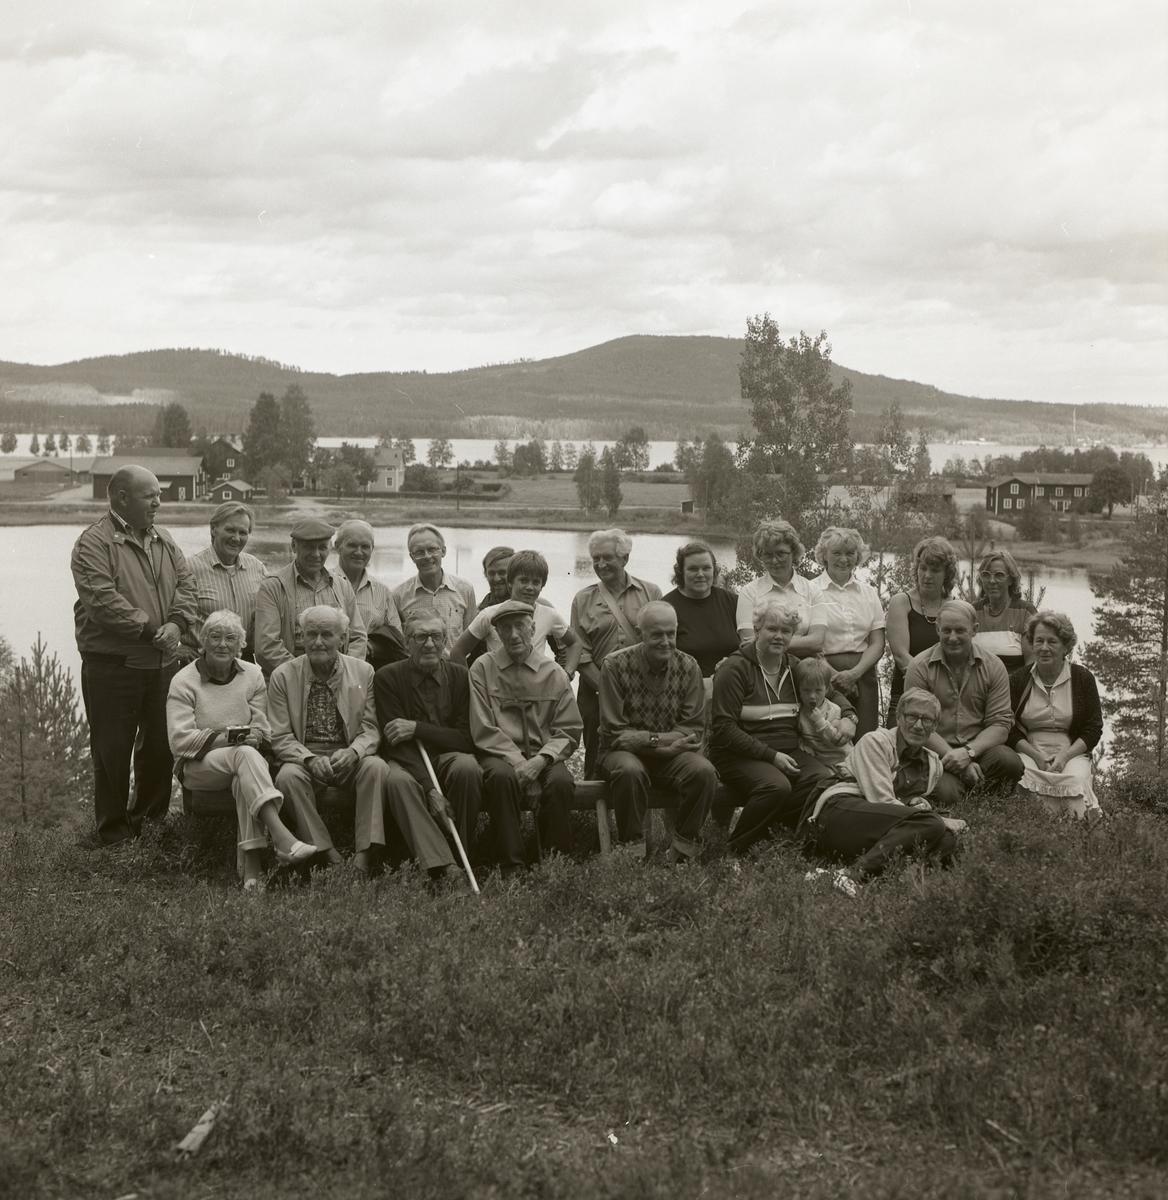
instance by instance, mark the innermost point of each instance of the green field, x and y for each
(601, 1028)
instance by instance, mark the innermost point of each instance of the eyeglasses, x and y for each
(420, 639)
(417, 552)
(995, 577)
(911, 719)
(775, 556)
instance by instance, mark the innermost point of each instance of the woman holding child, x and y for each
(754, 740)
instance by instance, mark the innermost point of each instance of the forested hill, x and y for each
(673, 386)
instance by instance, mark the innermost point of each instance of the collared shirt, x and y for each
(453, 600)
(519, 710)
(635, 695)
(309, 595)
(594, 624)
(375, 604)
(852, 611)
(801, 594)
(547, 621)
(912, 770)
(207, 677)
(981, 701)
(220, 586)
(432, 690)
(148, 539)
(1048, 708)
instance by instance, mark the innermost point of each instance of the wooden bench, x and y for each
(590, 794)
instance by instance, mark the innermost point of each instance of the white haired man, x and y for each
(604, 618)
(652, 717)
(324, 733)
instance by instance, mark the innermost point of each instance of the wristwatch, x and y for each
(972, 753)
(654, 739)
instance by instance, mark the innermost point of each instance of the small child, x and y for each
(822, 731)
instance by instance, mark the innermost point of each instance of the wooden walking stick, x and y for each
(450, 824)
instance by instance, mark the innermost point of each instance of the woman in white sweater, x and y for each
(216, 720)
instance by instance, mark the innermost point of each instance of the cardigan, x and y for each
(1086, 713)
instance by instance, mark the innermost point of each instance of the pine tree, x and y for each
(1130, 619)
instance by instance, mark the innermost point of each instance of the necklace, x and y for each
(997, 612)
(933, 619)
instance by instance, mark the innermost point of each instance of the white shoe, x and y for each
(841, 881)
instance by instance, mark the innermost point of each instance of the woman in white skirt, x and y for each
(1057, 718)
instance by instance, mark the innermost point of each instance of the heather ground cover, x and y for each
(601, 1028)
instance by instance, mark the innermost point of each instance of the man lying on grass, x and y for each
(882, 807)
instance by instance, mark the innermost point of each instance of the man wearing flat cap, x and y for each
(525, 725)
(452, 598)
(303, 584)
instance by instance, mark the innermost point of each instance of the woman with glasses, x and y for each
(217, 723)
(912, 615)
(1057, 719)
(1002, 614)
(779, 551)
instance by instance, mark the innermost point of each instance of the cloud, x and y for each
(972, 197)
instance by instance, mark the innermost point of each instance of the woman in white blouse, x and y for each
(779, 551)
(854, 637)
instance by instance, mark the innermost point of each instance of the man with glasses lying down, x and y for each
(882, 807)
(426, 701)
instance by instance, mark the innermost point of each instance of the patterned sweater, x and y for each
(632, 696)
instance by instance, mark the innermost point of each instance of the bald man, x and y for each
(136, 596)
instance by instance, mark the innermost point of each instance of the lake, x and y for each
(37, 593)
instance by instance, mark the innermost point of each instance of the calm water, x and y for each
(37, 594)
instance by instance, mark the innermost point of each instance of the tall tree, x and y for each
(409, 451)
(800, 419)
(610, 482)
(172, 427)
(631, 451)
(103, 442)
(83, 445)
(440, 452)
(261, 442)
(1110, 486)
(556, 458)
(708, 467)
(50, 445)
(297, 430)
(589, 485)
(44, 743)
(7, 441)
(360, 462)
(502, 454)
(1129, 631)
(63, 443)
(571, 456)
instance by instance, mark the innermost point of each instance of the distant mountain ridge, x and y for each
(673, 386)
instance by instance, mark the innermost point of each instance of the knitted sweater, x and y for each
(1086, 714)
(197, 708)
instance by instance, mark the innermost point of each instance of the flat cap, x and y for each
(311, 529)
(511, 608)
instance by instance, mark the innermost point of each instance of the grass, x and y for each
(599, 1029)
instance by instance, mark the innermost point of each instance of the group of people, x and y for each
(425, 706)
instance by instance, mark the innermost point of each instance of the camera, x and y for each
(237, 734)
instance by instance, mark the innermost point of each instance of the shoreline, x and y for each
(1092, 555)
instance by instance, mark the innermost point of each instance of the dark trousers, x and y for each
(461, 778)
(588, 703)
(126, 710)
(767, 796)
(867, 695)
(1001, 765)
(503, 799)
(690, 776)
(849, 827)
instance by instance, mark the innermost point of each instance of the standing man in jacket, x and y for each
(135, 599)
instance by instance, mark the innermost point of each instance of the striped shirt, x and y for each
(311, 595)
(453, 600)
(222, 587)
(375, 604)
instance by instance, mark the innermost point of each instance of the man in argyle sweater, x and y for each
(651, 722)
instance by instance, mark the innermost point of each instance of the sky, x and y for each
(973, 196)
